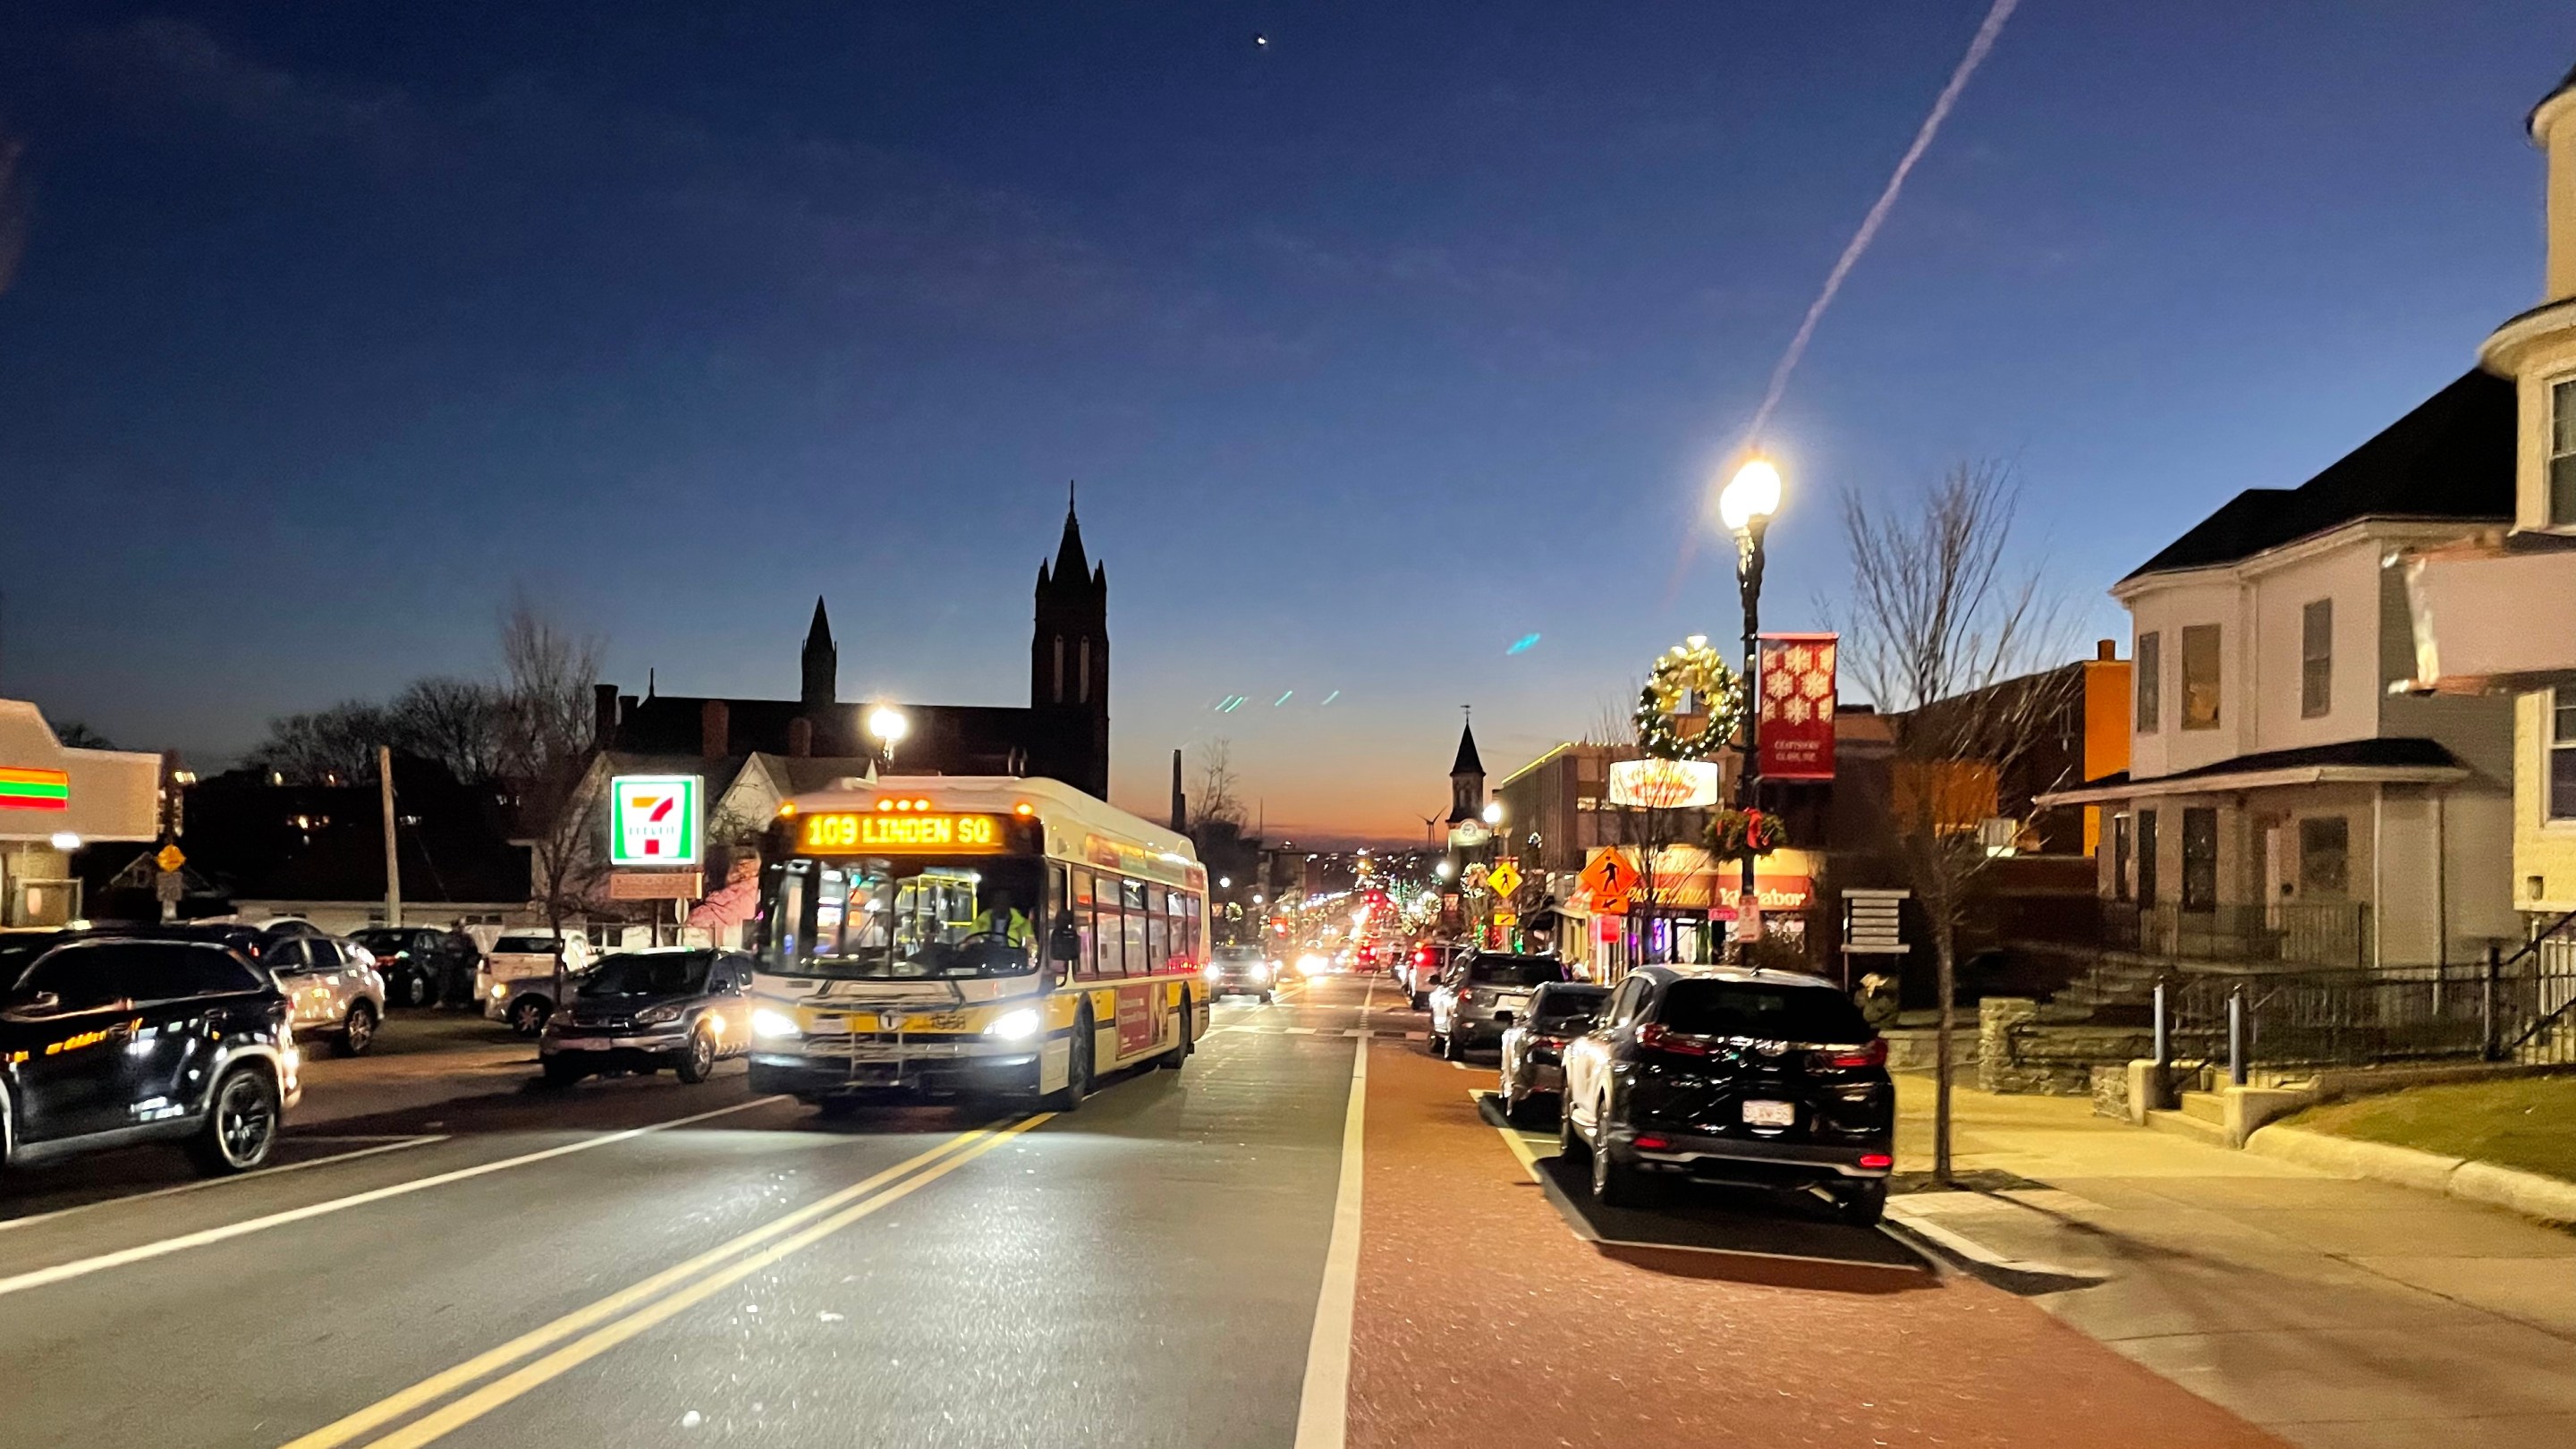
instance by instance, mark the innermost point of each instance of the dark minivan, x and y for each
(109, 1042)
(1756, 1078)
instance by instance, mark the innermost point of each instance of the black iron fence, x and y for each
(2286, 933)
(2517, 1006)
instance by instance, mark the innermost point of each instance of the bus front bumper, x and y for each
(823, 1067)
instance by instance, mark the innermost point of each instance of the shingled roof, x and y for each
(2451, 458)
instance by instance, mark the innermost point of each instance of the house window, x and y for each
(2562, 454)
(2562, 754)
(2199, 858)
(2200, 677)
(2316, 658)
(2120, 853)
(2146, 857)
(2151, 680)
(2325, 855)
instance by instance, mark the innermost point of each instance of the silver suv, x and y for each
(333, 987)
(641, 1011)
(1481, 994)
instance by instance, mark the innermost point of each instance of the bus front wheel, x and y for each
(1077, 1068)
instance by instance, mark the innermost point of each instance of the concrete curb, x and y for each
(2528, 1193)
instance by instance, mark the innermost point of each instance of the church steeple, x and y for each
(1069, 648)
(822, 662)
(1467, 779)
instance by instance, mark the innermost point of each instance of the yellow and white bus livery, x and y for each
(972, 935)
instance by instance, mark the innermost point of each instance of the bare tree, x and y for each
(462, 724)
(1944, 634)
(546, 753)
(334, 746)
(1215, 797)
(13, 210)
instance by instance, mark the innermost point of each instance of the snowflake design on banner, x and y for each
(1798, 684)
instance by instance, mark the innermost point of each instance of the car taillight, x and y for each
(1554, 1041)
(1876, 1159)
(1651, 1144)
(1872, 1055)
(1655, 1036)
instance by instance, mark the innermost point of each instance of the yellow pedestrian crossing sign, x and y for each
(1503, 879)
(170, 859)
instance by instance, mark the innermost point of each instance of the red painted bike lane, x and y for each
(1482, 1320)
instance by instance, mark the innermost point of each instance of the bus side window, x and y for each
(1107, 931)
(1080, 905)
(1158, 929)
(1190, 905)
(1131, 908)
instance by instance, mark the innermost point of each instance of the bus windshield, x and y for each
(905, 919)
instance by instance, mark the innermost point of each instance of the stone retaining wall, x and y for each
(2017, 1053)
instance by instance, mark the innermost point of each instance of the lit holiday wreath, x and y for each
(1690, 668)
(1735, 834)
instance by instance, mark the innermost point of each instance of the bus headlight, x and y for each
(766, 1023)
(1017, 1025)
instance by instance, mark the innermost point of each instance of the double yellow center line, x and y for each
(487, 1381)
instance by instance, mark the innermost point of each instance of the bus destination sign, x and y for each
(845, 831)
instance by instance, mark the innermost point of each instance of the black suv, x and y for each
(1756, 1078)
(421, 967)
(114, 1041)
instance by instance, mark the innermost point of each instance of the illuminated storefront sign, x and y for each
(653, 820)
(34, 789)
(836, 832)
(1663, 784)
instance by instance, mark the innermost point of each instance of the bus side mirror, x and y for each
(1064, 945)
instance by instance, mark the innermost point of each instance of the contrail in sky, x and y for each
(1996, 15)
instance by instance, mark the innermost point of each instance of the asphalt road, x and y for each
(638, 1262)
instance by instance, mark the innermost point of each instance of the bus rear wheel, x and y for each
(1180, 1052)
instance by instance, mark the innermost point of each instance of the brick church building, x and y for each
(1062, 734)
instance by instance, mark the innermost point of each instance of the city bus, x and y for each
(972, 936)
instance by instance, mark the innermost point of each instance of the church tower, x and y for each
(1069, 650)
(1467, 780)
(822, 663)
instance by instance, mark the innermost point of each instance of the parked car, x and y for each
(111, 1041)
(1419, 971)
(1534, 1045)
(335, 988)
(641, 1011)
(521, 972)
(1757, 1078)
(416, 961)
(1241, 970)
(1483, 993)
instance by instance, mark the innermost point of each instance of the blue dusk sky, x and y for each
(1394, 356)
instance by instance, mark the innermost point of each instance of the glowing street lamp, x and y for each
(888, 725)
(1493, 812)
(1746, 506)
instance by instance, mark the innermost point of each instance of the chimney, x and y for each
(715, 730)
(800, 737)
(1180, 803)
(2106, 650)
(603, 716)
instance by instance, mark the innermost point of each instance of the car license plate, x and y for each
(1770, 1114)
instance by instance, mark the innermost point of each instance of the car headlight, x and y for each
(767, 1023)
(657, 1015)
(1017, 1025)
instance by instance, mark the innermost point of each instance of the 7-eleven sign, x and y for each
(653, 820)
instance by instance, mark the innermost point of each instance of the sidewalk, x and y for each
(2340, 1314)
(1482, 1320)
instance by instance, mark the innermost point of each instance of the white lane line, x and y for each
(392, 1144)
(1324, 1409)
(145, 1252)
(1513, 1137)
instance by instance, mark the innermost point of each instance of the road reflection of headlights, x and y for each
(767, 1023)
(1017, 1025)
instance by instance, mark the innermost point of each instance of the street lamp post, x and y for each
(1746, 506)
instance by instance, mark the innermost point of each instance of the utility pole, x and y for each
(393, 862)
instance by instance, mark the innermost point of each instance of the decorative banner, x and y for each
(653, 820)
(1664, 784)
(34, 789)
(1797, 719)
